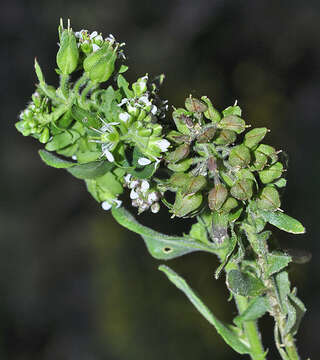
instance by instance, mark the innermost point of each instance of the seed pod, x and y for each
(254, 136)
(242, 189)
(186, 204)
(225, 137)
(260, 160)
(195, 184)
(230, 204)
(232, 122)
(177, 137)
(181, 152)
(269, 151)
(179, 180)
(211, 114)
(239, 156)
(217, 196)
(68, 54)
(45, 135)
(183, 165)
(206, 135)
(272, 173)
(179, 117)
(195, 105)
(269, 199)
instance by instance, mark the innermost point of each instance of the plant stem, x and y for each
(64, 85)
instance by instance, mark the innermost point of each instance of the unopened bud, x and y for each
(272, 173)
(239, 156)
(181, 152)
(269, 199)
(254, 136)
(68, 54)
(232, 122)
(195, 105)
(242, 189)
(217, 196)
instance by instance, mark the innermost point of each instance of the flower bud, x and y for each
(232, 122)
(225, 137)
(217, 196)
(100, 64)
(195, 184)
(68, 54)
(254, 136)
(186, 204)
(45, 135)
(242, 189)
(211, 114)
(230, 204)
(181, 152)
(239, 156)
(195, 105)
(272, 173)
(206, 135)
(269, 199)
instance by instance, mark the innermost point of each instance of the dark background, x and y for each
(73, 284)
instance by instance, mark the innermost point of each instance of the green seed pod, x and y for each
(260, 160)
(232, 122)
(242, 189)
(269, 151)
(45, 135)
(195, 105)
(186, 204)
(230, 204)
(100, 64)
(217, 196)
(239, 156)
(195, 184)
(178, 180)
(269, 199)
(68, 54)
(183, 165)
(177, 137)
(254, 136)
(272, 173)
(180, 117)
(206, 135)
(180, 153)
(225, 137)
(211, 114)
(145, 132)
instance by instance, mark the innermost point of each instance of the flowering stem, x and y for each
(90, 85)
(64, 85)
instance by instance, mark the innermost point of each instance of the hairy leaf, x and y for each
(283, 221)
(257, 307)
(54, 161)
(244, 284)
(276, 262)
(91, 170)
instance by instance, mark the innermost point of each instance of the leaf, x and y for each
(62, 140)
(54, 161)
(232, 244)
(91, 170)
(123, 69)
(244, 284)
(160, 246)
(124, 85)
(276, 262)
(300, 311)
(227, 332)
(255, 310)
(86, 118)
(283, 221)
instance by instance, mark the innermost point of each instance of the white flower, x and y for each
(133, 184)
(127, 178)
(106, 152)
(74, 157)
(106, 205)
(155, 207)
(95, 47)
(154, 109)
(152, 197)
(93, 35)
(144, 186)
(118, 202)
(124, 116)
(144, 161)
(134, 195)
(144, 99)
(123, 101)
(98, 38)
(163, 144)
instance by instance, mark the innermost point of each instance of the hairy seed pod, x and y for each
(179, 180)
(211, 114)
(272, 173)
(225, 137)
(68, 54)
(195, 184)
(269, 151)
(195, 105)
(182, 165)
(179, 117)
(186, 204)
(180, 153)
(260, 160)
(233, 123)
(206, 135)
(242, 189)
(239, 156)
(230, 204)
(217, 196)
(178, 137)
(269, 199)
(254, 136)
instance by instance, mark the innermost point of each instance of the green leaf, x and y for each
(54, 161)
(62, 140)
(160, 246)
(300, 311)
(257, 307)
(91, 170)
(86, 118)
(232, 244)
(227, 332)
(283, 221)
(244, 284)
(124, 85)
(123, 69)
(277, 262)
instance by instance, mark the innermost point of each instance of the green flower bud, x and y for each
(254, 136)
(181, 152)
(239, 156)
(269, 199)
(206, 135)
(217, 196)
(211, 114)
(260, 160)
(232, 122)
(225, 137)
(100, 64)
(269, 151)
(230, 204)
(45, 135)
(272, 173)
(186, 204)
(68, 54)
(242, 189)
(195, 184)
(195, 105)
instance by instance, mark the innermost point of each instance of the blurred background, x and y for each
(73, 284)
